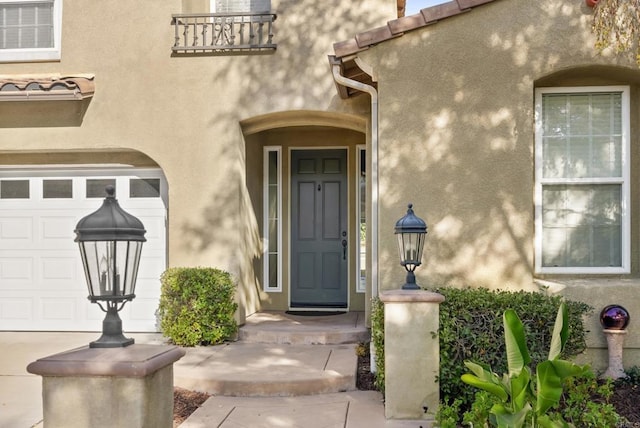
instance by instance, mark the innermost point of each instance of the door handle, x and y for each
(344, 249)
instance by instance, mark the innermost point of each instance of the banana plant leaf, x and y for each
(506, 418)
(560, 333)
(515, 342)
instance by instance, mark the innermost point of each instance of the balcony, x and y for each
(223, 33)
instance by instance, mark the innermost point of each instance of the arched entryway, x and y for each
(304, 172)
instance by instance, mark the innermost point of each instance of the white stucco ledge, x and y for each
(410, 296)
(131, 361)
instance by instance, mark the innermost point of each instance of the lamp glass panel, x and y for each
(410, 249)
(111, 266)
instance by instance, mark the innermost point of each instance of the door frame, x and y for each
(290, 151)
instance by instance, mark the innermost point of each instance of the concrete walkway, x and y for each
(280, 385)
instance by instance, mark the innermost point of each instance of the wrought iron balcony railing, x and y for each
(221, 32)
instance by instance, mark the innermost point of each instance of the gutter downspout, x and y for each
(339, 78)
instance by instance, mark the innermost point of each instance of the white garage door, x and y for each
(42, 282)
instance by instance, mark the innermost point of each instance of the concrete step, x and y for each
(285, 328)
(243, 369)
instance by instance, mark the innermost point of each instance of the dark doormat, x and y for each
(314, 313)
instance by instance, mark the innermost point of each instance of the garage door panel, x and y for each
(59, 309)
(154, 226)
(55, 268)
(15, 271)
(142, 307)
(15, 309)
(16, 232)
(57, 231)
(150, 266)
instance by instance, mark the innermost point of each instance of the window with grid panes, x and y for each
(582, 180)
(30, 30)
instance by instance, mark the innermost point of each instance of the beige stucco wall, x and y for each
(184, 113)
(457, 139)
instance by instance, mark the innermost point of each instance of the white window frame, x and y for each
(265, 219)
(37, 54)
(212, 8)
(360, 286)
(624, 182)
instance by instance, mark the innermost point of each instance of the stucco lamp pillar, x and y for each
(411, 349)
(112, 382)
(614, 320)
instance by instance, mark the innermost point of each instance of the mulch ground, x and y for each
(626, 400)
(186, 402)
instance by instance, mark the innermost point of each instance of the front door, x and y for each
(319, 256)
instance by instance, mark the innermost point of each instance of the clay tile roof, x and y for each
(345, 50)
(49, 87)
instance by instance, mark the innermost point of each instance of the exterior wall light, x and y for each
(110, 241)
(410, 231)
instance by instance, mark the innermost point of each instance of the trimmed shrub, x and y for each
(197, 306)
(377, 338)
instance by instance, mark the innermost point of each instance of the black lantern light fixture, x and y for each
(110, 241)
(410, 231)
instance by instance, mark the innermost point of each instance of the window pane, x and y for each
(60, 189)
(144, 188)
(273, 236)
(95, 187)
(273, 271)
(582, 225)
(26, 25)
(224, 6)
(14, 189)
(582, 135)
(273, 168)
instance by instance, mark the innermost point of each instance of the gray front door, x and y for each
(319, 253)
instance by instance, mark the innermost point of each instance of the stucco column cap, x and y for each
(131, 361)
(410, 296)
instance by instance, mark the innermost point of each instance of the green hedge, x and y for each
(471, 329)
(377, 338)
(197, 306)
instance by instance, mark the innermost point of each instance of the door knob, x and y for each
(344, 249)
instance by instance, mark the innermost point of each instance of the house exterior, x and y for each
(195, 110)
(517, 142)
(282, 140)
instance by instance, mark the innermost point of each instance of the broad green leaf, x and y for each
(545, 421)
(517, 352)
(508, 419)
(560, 332)
(492, 388)
(520, 389)
(565, 369)
(549, 387)
(480, 371)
